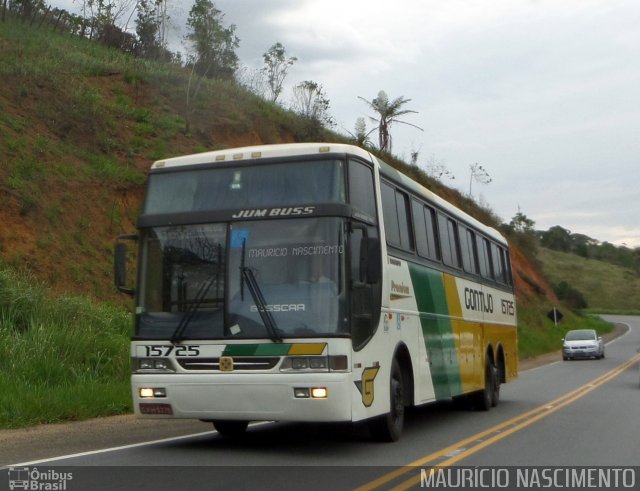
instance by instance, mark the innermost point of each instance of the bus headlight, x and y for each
(336, 363)
(305, 363)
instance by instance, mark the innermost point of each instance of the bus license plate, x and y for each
(155, 408)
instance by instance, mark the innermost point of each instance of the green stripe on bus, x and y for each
(279, 349)
(438, 334)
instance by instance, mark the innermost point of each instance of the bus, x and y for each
(311, 282)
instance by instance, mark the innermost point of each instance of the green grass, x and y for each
(62, 358)
(612, 311)
(606, 287)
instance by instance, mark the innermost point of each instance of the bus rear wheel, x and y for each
(495, 394)
(488, 397)
(388, 427)
(230, 427)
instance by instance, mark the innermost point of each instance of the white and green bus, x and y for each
(311, 282)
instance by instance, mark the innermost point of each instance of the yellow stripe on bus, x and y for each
(467, 337)
(307, 348)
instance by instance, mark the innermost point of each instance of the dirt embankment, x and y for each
(529, 282)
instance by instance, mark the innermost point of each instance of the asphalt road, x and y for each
(577, 413)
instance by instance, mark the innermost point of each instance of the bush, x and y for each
(570, 295)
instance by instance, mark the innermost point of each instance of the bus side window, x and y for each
(508, 267)
(483, 256)
(449, 241)
(361, 195)
(468, 249)
(390, 214)
(402, 205)
(395, 207)
(497, 259)
(423, 221)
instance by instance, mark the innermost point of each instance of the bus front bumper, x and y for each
(249, 397)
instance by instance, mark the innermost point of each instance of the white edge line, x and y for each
(623, 335)
(111, 449)
(122, 447)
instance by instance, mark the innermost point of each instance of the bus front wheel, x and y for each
(230, 428)
(388, 427)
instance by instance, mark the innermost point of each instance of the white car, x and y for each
(582, 343)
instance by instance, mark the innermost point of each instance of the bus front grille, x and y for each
(239, 363)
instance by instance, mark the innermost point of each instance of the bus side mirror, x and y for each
(120, 264)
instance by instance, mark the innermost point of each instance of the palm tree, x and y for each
(389, 113)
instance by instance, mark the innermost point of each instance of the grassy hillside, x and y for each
(79, 126)
(605, 286)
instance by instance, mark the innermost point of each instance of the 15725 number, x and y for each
(159, 350)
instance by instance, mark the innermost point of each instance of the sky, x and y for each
(544, 94)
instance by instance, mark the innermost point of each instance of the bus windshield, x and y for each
(280, 184)
(192, 277)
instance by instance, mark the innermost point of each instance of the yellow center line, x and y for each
(495, 433)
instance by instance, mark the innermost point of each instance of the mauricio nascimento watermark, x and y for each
(35, 480)
(529, 477)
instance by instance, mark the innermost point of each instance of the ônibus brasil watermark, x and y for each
(35, 480)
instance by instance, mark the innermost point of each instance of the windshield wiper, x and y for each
(176, 337)
(261, 305)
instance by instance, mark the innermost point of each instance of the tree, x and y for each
(310, 101)
(213, 43)
(276, 67)
(522, 232)
(252, 79)
(147, 29)
(360, 134)
(104, 15)
(521, 223)
(433, 167)
(557, 238)
(388, 112)
(478, 174)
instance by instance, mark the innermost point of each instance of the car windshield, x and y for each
(581, 335)
(196, 277)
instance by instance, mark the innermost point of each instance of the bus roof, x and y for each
(297, 149)
(260, 151)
